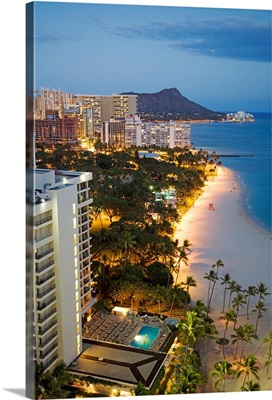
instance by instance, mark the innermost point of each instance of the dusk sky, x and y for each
(219, 58)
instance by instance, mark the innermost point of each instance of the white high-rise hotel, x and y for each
(62, 292)
(131, 131)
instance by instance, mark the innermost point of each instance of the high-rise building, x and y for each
(109, 106)
(114, 133)
(131, 131)
(93, 103)
(62, 276)
(53, 99)
(53, 129)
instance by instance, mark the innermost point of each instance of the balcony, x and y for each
(84, 198)
(43, 343)
(45, 279)
(50, 362)
(42, 221)
(41, 331)
(43, 355)
(45, 292)
(45, 237)
(44, 267)
(45, 253)
(46, 304)
(47, 316)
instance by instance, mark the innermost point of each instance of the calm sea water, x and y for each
(252, 141)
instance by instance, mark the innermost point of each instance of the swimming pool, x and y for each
(145, 337)
(172, 321)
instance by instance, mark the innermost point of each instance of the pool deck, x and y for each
(118, 363)
(122, 329)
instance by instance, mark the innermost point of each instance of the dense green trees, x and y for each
(50, 384)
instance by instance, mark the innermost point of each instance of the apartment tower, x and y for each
(62, 276)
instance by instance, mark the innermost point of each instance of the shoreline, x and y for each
(227, 233)
(245, 207)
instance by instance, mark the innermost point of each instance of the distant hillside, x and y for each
(170, 103)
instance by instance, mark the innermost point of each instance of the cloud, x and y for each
(239, 38)
(53, 38)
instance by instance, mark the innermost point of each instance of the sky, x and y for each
(219, 58)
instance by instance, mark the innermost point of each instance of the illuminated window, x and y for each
(76, 285)
(77, 306)
(74, 223)
(75, 238)
(77, 296)
(76, 274)
(75, 250)
(78, 328)
(75, 262)
(77, 317)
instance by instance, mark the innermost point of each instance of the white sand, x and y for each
(245, 249)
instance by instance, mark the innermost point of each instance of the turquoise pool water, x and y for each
(145, 337)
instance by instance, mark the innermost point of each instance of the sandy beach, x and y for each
(226, 233)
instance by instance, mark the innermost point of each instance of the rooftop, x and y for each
(118, 363)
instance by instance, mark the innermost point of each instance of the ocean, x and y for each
(252, 142)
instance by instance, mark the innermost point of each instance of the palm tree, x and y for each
(200, 309)
(49, 385)
(211, 277)
(248, 367)
(225, 281)
(178, 297)
(228, 316)
(126, 241)
(261, 290)
(260, 308)
(187, 380)
(268, 339)
(250, 291)
(238, 302)
(218, 264)
(192, 327)
(249, 334)
(221, 370)
(157, 296)
(232, 288)
(238, 337)
(268, 362)
(183, 252)
(251, 386)
(140, 390)
(209, 332)
(189, 282)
